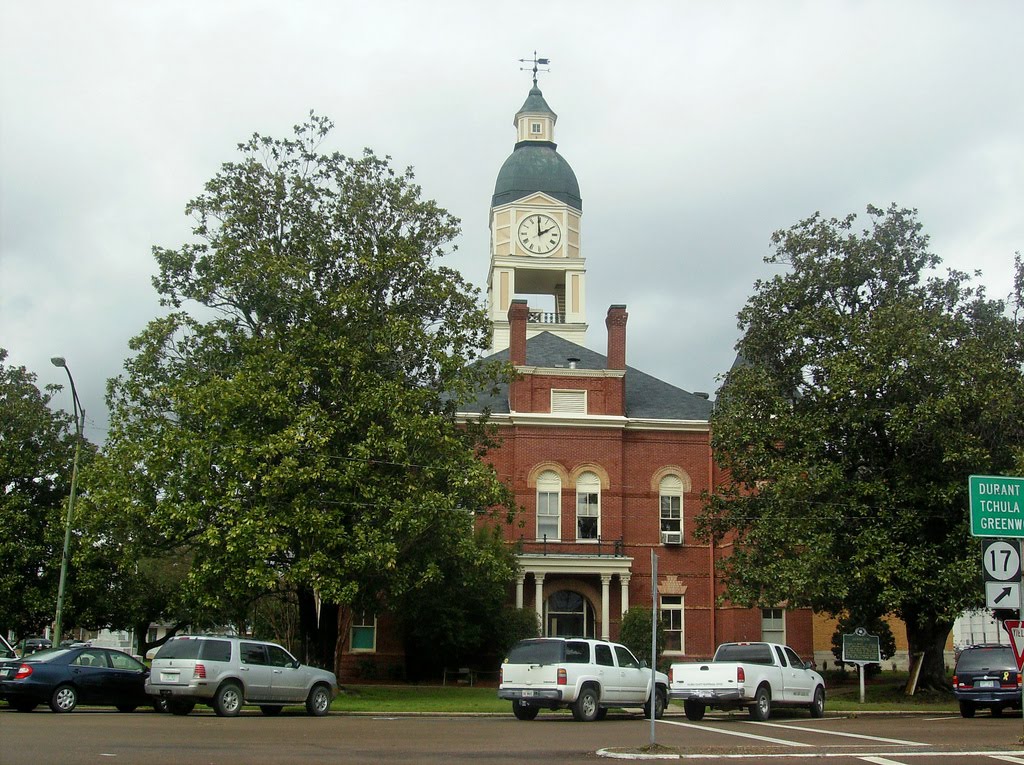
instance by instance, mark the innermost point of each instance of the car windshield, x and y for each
(985, 658)
(537, 652)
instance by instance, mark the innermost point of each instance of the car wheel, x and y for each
(180, 708)
(659, 705)
(24, 705)
(818, 705)
(160, 705)
(126, 708)
(584, 709)
(270, 710)
(966, 709)
(227, 702)
(319, 702)
(694, 710)
(761, 709)
(524, 711)
(64, 699)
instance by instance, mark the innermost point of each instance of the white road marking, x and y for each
(839, 733)
(740, 734)
(877, 759)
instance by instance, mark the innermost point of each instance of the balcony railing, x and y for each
(612, 548)
(546, 317)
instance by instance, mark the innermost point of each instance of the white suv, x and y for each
(229, 672)
(588, 676)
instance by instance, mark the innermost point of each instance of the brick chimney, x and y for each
(616, 324)
(518, 313)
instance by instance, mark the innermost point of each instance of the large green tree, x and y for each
(460, 617)
(37, 446)
(868, 387)
(291, 420)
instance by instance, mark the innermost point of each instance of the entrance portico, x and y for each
(563, 569)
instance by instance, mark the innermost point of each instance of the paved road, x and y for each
(102, 736)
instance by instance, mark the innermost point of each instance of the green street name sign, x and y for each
(997, 506)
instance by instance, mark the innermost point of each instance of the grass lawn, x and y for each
(882, 693)
(418, 698)
(886, 692)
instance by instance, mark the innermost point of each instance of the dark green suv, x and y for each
(986, 676)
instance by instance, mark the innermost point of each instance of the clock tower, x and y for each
(535, 233)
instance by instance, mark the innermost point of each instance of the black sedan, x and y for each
(66, 677)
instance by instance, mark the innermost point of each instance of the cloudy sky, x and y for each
(695, 128)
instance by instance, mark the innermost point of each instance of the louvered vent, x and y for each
(568, 402)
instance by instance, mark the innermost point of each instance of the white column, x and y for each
(606, 580)
(519, 590)
(538, 583)
(624, 581)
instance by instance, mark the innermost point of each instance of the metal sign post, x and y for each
(654, 639)
(861, 649)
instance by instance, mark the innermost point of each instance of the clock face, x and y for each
(539, 234)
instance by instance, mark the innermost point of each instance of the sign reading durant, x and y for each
(997, 506)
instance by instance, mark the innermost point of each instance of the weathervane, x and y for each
(535, 61)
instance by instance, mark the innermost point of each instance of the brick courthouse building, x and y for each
(609, 463)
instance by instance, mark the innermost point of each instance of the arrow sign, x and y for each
(1002, 595)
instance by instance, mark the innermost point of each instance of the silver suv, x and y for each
(229, 672)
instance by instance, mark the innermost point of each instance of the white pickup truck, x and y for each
(588, 676)
(753, 675)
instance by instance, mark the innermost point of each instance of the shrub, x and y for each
(635, 634)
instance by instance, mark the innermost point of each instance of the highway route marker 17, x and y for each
(1002, 563)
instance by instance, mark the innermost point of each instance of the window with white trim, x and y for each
(773, 625)
(363, 635)
(670, 498)
(535, 128)
(549, 504)
(672, 621)
(588, 506)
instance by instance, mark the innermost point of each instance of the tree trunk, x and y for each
(318, 632)
(927, 634)
(142, 631)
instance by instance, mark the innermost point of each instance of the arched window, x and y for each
(588, 506)
(569, 614)
(670, 492)
(549, 504)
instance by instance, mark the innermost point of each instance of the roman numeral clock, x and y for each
(539, 234)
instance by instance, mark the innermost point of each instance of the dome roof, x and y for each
(535, 166)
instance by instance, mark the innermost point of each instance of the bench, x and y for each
(460, 675)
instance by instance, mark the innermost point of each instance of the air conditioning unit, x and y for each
(671, 537)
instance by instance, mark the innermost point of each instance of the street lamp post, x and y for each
(58, 361)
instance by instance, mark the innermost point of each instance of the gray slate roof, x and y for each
(646, 397)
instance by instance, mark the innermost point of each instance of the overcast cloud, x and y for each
(695, 130)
